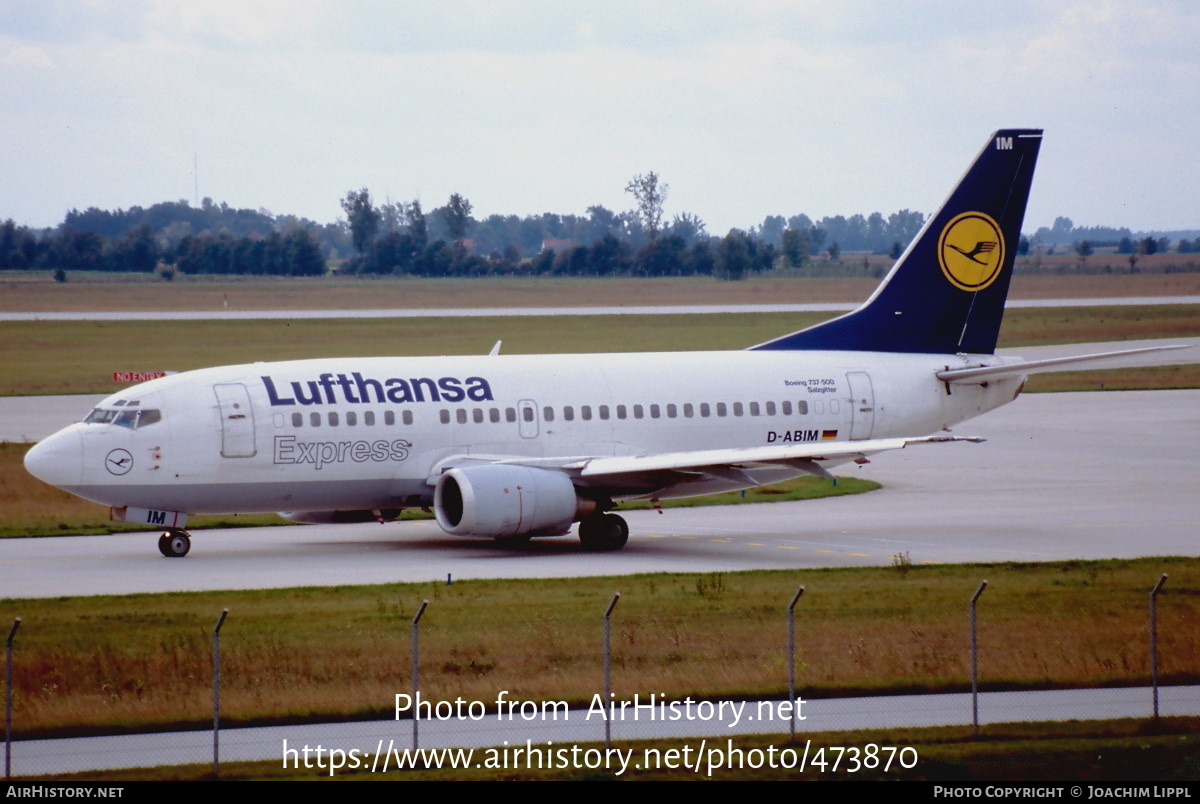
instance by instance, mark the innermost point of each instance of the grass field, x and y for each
(71, 357)
(36, 292)
(299, 655)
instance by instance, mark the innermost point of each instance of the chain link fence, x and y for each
(638, 669)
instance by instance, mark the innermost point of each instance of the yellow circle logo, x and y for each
(971, 251)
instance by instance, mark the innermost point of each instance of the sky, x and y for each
(745, 109)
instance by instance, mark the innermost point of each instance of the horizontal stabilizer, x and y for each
(979, 374)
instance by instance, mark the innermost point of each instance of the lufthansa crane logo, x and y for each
(118, 461)
(971, 251)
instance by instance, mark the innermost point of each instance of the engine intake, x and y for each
(501, 500)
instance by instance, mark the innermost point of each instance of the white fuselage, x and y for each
(371, 433)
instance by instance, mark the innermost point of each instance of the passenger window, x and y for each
(688, 410)
(493, 415)
(460, 415)
(604, 412)
(834, 407)
(297, 420)
(314, 419)
(406, 417)
(351, 419)
(637, 411)
(654, 412)
(444, 415)
(389, 417)
(753, 408)
(369, 418)
(278, 419)
(770, 408)
(705, 411)
(721, 409)
(510, 414)
(568, 413)
(527, 414)
(802, 408)
(333, 418)
(621, 412)
(737, 408)
(818, 407)
(547, 414)
(787, 408)
(672, 411)
(585, 413)
(477, 415)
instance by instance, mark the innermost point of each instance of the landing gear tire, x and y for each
(603, 533)
(174, 543)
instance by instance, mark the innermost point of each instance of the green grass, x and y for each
(109, 664)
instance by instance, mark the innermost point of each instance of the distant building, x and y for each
(557, 244)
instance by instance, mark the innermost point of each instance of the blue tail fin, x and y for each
(946, 293)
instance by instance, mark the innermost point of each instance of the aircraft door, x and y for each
(862, 405)
(237, 420)
(527, 418)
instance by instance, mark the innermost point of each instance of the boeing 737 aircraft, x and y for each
(518, 446)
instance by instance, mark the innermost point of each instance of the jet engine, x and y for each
(504, 501)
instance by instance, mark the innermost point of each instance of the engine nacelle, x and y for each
(502, 500)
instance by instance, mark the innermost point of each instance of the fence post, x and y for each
(8, 650)
(608, 667)
(792, 659)
(1154, 639)
(975, 664)
(216, 660)
(416, 669)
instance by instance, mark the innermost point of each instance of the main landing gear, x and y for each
(603, 532)
(174, 543)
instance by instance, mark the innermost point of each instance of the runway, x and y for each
(1062, 476)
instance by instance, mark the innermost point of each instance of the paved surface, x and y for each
(505, 312)
(1062, 476)
(39, 757)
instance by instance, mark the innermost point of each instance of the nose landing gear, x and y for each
(174, 543)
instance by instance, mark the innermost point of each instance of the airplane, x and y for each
(517, 446)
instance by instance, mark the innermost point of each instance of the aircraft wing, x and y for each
(734, 464)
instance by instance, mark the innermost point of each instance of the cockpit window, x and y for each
(133, 419)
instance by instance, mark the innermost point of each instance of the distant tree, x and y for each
(1185, 246)
(1163, 244)
(794, 247)
(1125, 245)
(897, 249)
(363, 218)
(457, 217)
(1084, 248)
(650, 194)
(1147, 245)
(417, 225)
(1023, 246)
(733, 258)
(687, 226)
(834, 251)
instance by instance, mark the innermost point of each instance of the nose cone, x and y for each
(57, 460)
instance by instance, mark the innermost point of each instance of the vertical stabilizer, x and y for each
(946, 293)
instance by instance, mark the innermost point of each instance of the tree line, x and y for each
(398, 237)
